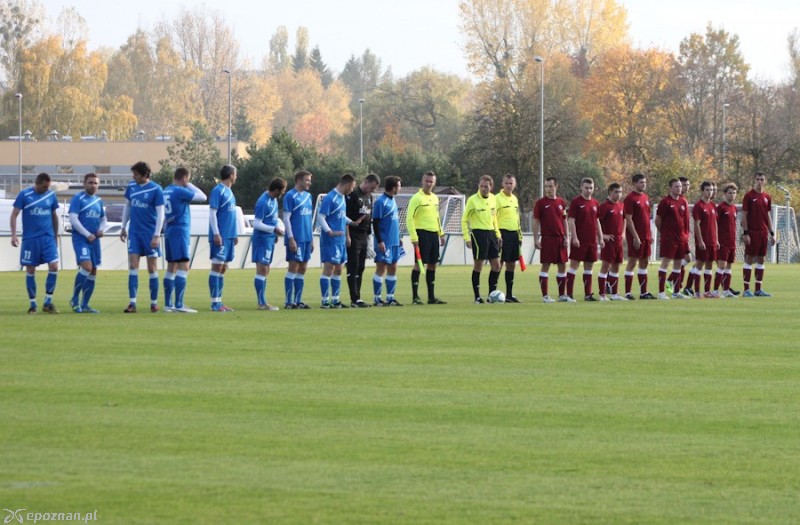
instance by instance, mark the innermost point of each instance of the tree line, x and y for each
(610, 109)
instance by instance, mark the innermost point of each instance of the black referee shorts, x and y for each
(428, 246)
(484, 245)
(510, 251)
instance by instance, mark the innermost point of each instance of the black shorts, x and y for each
(428, 246)
(484, 245)
(510, 251)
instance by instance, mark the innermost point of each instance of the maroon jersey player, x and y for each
(640, 238)
(706, 241)
(586, 236)
(671, 217)
(550, 236)
(612, 221)
(758, 233)
(726, 231)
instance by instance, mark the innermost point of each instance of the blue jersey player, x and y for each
(38, 207)
(334, 238)
(223, 234)
(88, 219)
(297, 212)
(144, 210)
(177, 226)
(388, 247)
(266, 228)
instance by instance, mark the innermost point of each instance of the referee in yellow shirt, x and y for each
(510, 232)
(479, 226)
(425, 228)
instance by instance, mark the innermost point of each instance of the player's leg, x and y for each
(362, 266)
(602, 278)
(493, 256)
(133, 279)
(352, 270)
(477, 266)
(613, 280)
(663, 272)
(299, 283)
(85, 268)
(494, 275)
(30, 286)
(543, 280)
(336, 283)
(759, 277)
(377, 282)
(181, 278)
(169, 281)
(747, 271)
(574, 264)
(288, 280)
(50, 256)
(561, 281)
(632, 261)
(152, 270)
(719, 275)
(430, 257)
(588, 271)
(675, 277)
(325, 282)
(391, 282)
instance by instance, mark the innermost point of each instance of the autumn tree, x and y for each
(300, 57)
(586, 29)
(205, 41)
(627, 98)
(711, 72)
(278, 58)
(62, 88)
(162, 87)
(20, 26)
(311, 113)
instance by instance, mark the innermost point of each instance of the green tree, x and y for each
(198, 153)
(316, 63)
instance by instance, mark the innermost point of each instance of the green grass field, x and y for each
(605, 413)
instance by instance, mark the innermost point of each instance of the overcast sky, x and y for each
(413, 33)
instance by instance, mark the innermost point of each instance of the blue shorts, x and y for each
(222, 254)
(390, 256)
(39, 250)
(176, 246)
(303, 253)
(85, 250)
(263, 250)
(334, 252)
(140, 245)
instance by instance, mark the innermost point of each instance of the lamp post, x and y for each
(725, 107)
(541, 127)
(230, 114)
(361, 125)
(19, 141)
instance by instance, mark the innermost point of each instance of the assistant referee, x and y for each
(425, 229)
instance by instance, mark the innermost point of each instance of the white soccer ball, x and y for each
(497, 297)
(280, 226)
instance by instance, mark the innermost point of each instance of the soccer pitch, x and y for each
(590, 413)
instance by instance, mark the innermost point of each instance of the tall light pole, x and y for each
(725, 107)
(361, 124)
(19, 141)
(541, 127)
(230, 114)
